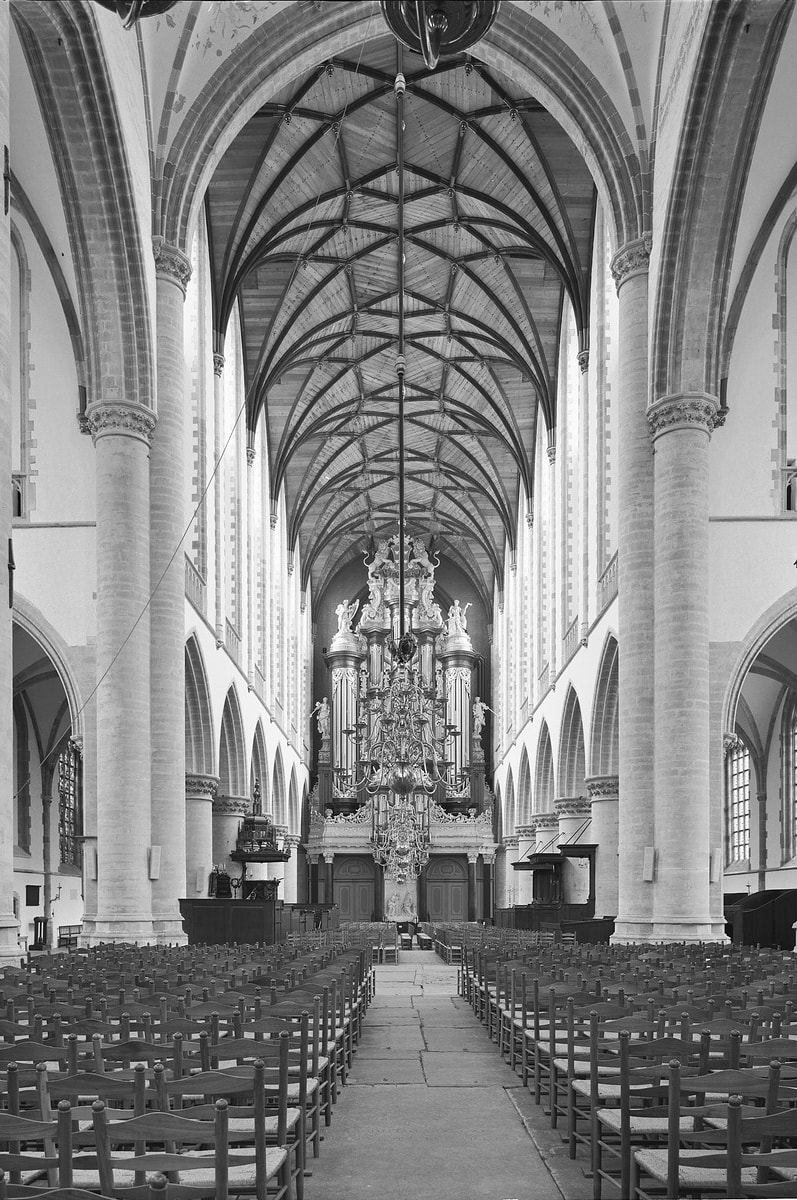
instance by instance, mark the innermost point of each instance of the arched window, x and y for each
(738, 809)
(70, 806)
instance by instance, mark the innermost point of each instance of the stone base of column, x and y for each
(689, 931)
(122, 929)
(169, 931)
(10, 951)
(626, 933)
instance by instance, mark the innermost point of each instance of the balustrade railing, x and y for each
(607, 583)
(195, 586)
(232, 640)
(570, 641)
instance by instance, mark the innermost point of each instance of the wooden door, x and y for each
(353, 887)
(447, 889)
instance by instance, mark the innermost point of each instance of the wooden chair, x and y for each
(170, 1142)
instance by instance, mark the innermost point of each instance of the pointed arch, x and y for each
(28, 617)
(278, 797)
(232, 759)
(572, 757)
(544, 783)
(200, 758)
(70, 76)
(524, 797)
(509, 819)
(605, 731)
(258, 770)
(293, 802)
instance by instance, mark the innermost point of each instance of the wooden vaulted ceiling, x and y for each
(499, 212)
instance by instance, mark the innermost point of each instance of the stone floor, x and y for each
(430, 1112)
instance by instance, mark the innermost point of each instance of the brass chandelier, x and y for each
(402, 730)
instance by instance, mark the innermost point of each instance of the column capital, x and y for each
(511, 842)
(690, 410)
(472, 858)
(203, 787)
(603, 787)
(631, 259)
(583, 361)
(551, 452)
(231, 806)
(218, 364)
(122, 419)
(171, 263)
(571, 806)
(292, 840)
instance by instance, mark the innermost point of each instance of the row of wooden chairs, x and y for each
(652, 1062)
(252, 1063)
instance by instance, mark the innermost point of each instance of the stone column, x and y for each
(168, 458)
(635, 595)
(472, 901)
(200, 792)
(511, 876)
(681, 426)
(227, 814)
(524, 880)
(218, 489)
(122, 433)
(583, 398)
(290, 888)
(604, 794)
(9, 926)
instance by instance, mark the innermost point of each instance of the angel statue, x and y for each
(322, 709)
(456, 618)
(345, 613)
(480, 709)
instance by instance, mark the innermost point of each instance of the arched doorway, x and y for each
(354, 887)
(447, 888)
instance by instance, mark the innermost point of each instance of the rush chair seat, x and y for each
(686, 1171)
(19, 1191)
(179, 1144)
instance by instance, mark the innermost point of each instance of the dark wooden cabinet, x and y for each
(219, 921)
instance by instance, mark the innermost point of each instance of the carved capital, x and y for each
(83, 423)
(695, 410)
(603, 787)
(572, 806)
(472, 858)
(511, 843)
(251, 455)
(201, 787)
(218, 364)
(171, 263)
(291, 840)
(583, 360)
(631, 259)
(76, 742)
(231, 806)
(526, 831)
(551, 452)
(120, 418)
(546, 820)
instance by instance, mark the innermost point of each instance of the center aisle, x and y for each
(430, 1112)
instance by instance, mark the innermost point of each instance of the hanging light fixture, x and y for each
(402, 729)
(129, 11)
(439, 28)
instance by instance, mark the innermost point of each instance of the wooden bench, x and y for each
(68, 935)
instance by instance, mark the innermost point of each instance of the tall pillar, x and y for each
(218, 489)
(524, 880)
(583, 405)
(122, 433)
(635, 596)
(9, 926)
(168, 458)
(681, 426)
(511, 876)
(472, 899)
(604, 795)
(200, 792)
(290, 888)
(343, 662)
(228, 812)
